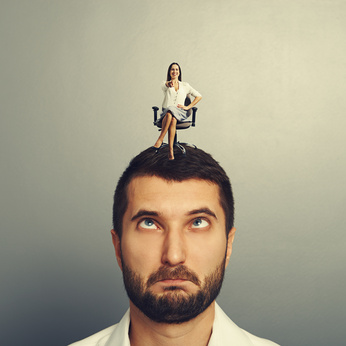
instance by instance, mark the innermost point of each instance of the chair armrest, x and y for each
(194, 113)
(155, 109)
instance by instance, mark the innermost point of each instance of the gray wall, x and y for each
(78, 79)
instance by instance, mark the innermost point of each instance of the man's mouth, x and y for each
(173, 281)
(179, 275)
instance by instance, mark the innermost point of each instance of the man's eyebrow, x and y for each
(202, 211)
(144, 213)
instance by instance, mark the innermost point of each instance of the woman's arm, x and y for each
(193, 103)
(164, 86)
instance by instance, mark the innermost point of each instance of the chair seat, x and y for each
(181, 125)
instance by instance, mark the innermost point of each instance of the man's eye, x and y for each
(147, 224)
(200, 223)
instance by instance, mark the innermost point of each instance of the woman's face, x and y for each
(174, 72)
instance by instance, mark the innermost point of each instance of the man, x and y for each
(173, 234)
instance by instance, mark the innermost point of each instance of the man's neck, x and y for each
(196, 332)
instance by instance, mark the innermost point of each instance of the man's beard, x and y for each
(173, 306)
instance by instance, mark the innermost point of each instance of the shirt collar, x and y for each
(120, 335)
(225, 332)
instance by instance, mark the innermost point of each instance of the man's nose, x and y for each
(174, 248)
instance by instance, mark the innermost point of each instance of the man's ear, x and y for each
(229, 245)
(117, 247)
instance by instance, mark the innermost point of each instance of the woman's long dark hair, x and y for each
(169, 68)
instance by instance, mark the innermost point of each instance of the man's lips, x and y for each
(176, 276)
(173, 281)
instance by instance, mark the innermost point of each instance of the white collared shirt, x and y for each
(225, 333)
(175, 98)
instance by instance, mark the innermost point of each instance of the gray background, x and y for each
(78, 79)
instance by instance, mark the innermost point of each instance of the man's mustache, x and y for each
(179, 272)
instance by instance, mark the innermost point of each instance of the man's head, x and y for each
(197, 164)
(173, 233)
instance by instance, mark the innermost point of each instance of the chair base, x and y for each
(179, 145)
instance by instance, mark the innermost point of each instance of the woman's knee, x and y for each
(173, 123)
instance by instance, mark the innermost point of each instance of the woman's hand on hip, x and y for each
(185, 108)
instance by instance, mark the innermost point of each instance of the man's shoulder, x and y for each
(228, 333)
(257, 341)
(97, 339)
(117, 333)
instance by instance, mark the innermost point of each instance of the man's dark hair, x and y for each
(196, 164)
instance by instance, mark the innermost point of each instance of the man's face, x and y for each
(174, 247)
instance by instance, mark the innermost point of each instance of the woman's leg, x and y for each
(171, 135)
(166, 122)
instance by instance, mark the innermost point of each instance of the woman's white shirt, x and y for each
(174, 98)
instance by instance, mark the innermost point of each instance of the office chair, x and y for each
(181, 125)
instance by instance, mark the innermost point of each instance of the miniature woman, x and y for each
(175, 92)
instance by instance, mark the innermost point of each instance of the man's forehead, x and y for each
(158, 192)
(151, 183)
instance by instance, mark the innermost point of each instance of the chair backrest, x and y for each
(186, 103)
